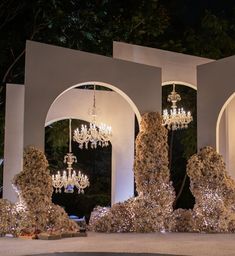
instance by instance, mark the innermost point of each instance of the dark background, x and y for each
(95, 163)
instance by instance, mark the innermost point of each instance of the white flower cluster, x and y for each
(214, 192)
(35, 212)
(152, 209)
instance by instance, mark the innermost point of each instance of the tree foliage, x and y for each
(203, 28)
(84, 25)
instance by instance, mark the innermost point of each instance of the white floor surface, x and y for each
(168, 243)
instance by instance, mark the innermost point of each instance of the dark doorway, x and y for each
(95, 163)
(182, 144)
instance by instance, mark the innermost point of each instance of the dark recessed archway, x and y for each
(182, 143)
(95, 163)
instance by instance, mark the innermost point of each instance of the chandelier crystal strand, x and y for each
(69, 177)
(95, 134)
(176, 118)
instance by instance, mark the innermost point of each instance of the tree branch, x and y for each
(9, 15)
(136, 26)
(36, 29)
(11, 66)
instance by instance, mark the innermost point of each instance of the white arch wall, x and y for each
(51, 70)
(115, 111)
(214, 80)
(226, 139)
(216, 84)
(74, 103)
(175, 66)
(13, 138)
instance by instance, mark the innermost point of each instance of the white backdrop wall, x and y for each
(115, 111)
(13, 138)
(227, 137)
(175, 66)
(51, 70)
(216, 84)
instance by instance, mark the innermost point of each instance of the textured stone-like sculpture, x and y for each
(152, 209)
(152, 176)
(7, 217)
(182, 221)
(35, 212)
(214, 192)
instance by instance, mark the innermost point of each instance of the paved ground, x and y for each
(103, 254)
(168, 243)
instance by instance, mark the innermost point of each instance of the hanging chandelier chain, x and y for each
(94, 99)
(95, 134)
(69, 177)
(174, 97)
(70, 143)
(94, 110)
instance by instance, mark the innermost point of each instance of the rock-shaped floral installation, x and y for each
(95, 217)
(152, 209)
(35, 212)
(152, 176)
(214, 192)
(182, 221)
(7, 217)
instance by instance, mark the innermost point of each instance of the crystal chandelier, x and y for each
(70, 179)
(95, 134)
(176, 118)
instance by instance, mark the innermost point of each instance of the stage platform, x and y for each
(128, 243)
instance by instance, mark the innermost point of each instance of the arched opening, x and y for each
(182, 143)
(95, 163)
(180, 83)
(115, 111)
(112, 88)
(225, 138)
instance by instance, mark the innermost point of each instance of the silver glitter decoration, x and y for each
(152, 209)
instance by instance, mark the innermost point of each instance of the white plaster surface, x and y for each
(192, 244)
(223, 136)
(51, 70)
(113, 110)
(231, 137)
(216, 84)
(175, 66)
(227, 137)
(13, 146)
